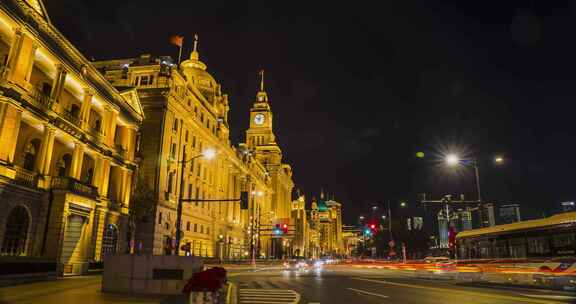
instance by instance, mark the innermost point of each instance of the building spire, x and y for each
(322, 193)
(262, 80)
(194, 55)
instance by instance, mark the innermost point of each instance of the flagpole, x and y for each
(180, 52)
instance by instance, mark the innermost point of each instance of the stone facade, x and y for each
(187, 114)
(67, 146)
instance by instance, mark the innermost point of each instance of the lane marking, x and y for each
(466, 292)
(268, 296)
(556, 297)
(367, 292)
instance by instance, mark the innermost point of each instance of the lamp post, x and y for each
(453, 160)
(207, 154)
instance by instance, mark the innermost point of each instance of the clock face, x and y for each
(259, 119)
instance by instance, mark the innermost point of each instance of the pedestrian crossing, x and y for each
(268, 296)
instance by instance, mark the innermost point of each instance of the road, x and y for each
(334, 284)
(344, 284)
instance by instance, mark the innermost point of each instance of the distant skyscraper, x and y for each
(509, 214)
(568, 206)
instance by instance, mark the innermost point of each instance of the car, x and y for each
(295, 265)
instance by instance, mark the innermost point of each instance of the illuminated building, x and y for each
(509, 214)
(186, 111)
(300, 243)
(67, 146)
(327, 219)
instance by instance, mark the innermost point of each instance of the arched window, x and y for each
(110, 240)
(63, 165)
(75, 111)
(15, 235)
(30, 152)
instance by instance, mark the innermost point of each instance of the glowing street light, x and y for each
(498, 159)
(209, 153)
(452, 159)
(402, 204)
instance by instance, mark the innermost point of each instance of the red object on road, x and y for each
(208, 280)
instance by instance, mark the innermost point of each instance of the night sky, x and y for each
(358, 89)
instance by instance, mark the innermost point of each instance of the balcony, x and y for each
(96, 132)
(40, 99)
(26, 177)
(123, 152)
(74, 186)
(71, 117)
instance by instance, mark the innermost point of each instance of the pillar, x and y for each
(10, 119)
(105, 177)
(111, 127)
(98, 233)
(15, 50)
(85, 110)
(32, 55)
(98, 173)
(77, 158)
(46, 148)
(58, 83)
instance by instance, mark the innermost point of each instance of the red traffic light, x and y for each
(372, 226)
(284, 226)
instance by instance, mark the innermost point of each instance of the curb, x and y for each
(231, 295)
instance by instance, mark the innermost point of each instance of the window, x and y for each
(201, 228)
(16, 232)
(173, 151)
(189, 191)
(197, 196)
(160, 218)
(186, 136)
(187, 226)
(170, 182)
(195, 227)
(175, 125)
(136, 80)
(194, 142)
(207, 230)
(202, 117)
(538, 245)
(110, 240)
(208, 124)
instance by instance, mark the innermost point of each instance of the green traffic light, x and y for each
(420, 154)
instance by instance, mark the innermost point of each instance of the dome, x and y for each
(195, 71)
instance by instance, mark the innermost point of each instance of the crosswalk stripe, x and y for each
(268, 296)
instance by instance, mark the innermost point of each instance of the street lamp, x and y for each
(207, 154)
(452, 159)
(499, 159)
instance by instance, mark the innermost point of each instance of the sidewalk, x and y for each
(81, 289)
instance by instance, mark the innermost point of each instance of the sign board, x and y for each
(167, 274)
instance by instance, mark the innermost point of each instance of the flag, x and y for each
(177, 40)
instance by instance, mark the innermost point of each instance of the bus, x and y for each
(540, 239)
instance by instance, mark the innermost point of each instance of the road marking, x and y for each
(368, 293)
(268, 296)
(465, 292)
(554, 297)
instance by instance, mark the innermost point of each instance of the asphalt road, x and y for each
(335, 284)
(344, 284)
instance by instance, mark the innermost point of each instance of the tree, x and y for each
(143, 203)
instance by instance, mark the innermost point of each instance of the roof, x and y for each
(555, 220)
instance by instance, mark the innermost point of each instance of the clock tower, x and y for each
(260, 136)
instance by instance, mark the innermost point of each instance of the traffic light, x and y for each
(367, 232)
(277, 230)
(372, 226)
(244, 200)
(285, 228)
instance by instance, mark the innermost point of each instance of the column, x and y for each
(85, 110)
(105, 177)
(46, 148)
(10, 118)
(98, 173)
(111, 127)
(77, 158)
(58, 83)
(99, 221)
(15, 49)
(127, 178)
(31, 61)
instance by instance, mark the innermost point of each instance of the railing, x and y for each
(71, 117)
(96, 132)
(123, 152)
(26, 177)
(74, 186)
(40, 99)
